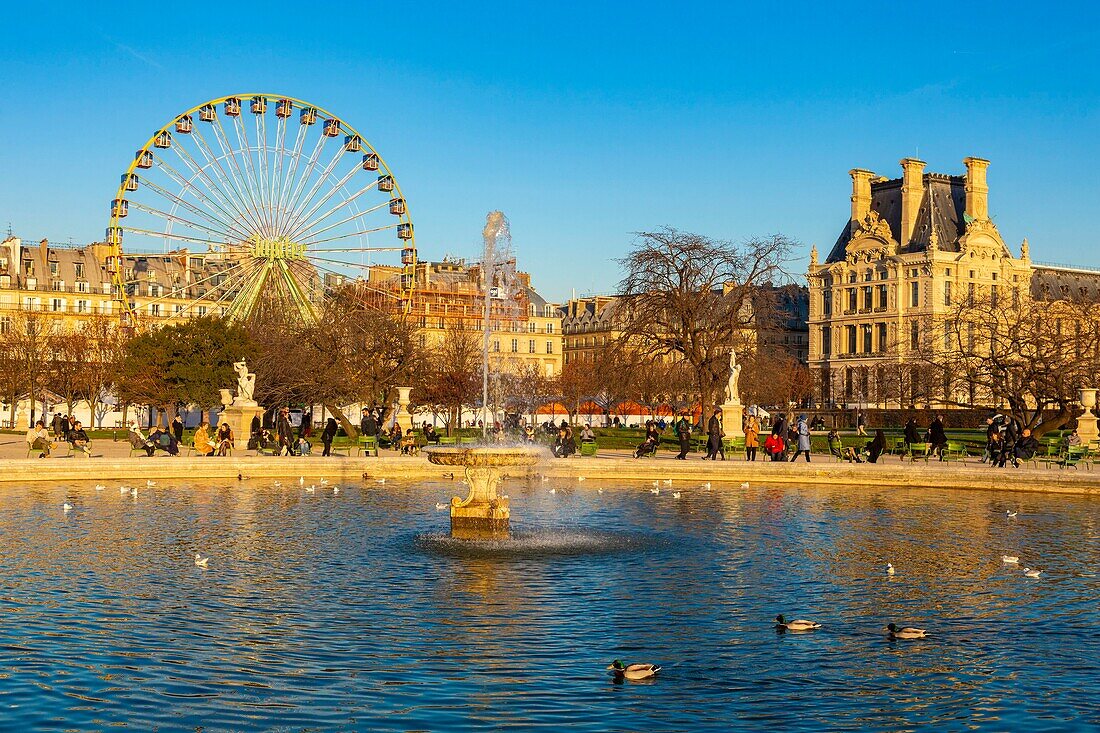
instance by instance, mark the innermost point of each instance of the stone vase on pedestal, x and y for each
(1086, 422)
(403, 416)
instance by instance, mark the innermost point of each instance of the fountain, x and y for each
(483, 515)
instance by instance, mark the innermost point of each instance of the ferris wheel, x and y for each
(278, 199)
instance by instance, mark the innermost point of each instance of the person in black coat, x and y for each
(284, 432)
(912, 432)
(177, 428)
(714, 436)
(368, 426)
(876, 447)
(1025, 449)
(937, 437)
(328, 435)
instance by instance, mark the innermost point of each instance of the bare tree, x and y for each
(27, 343)
(697, 298)
(451, 376)
(1029, 356)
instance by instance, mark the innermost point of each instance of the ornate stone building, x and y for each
(911, 247)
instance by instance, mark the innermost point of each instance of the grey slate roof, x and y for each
(1054, 282)
(948, 201)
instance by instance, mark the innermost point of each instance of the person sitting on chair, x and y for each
(79, 439)
(138, 441)
(38, 438)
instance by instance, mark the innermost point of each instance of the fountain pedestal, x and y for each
(483, 514)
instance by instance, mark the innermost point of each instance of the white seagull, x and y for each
(580, 478)
(655, 484)
(440, 506)
(599, 491)
(380, 481)
(124, 489)
(889, 569)
(324, 482)
(100, 487)
(201, 561)
(67, 507)
(655, 491)
(1010, 560)
(668, 482)
(553, 491)
(301, 480)
(675, 494)
(277, 484)
(335, 490)
(745, 485)
(1011, 513)
(1032, 573)
(705, 486)
(311, 489)
(150, 484)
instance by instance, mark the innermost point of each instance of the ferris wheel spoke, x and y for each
(345, 263)
(226, 271)
(359, 233)
(305, 307)
(240, 180)
(357, 215)
(168, 236)
(279, 154)
(176, 176)
(348, 200)
(300, 184)
(229, 228)
(229, 190)
(253, 180)
(174, 218)
(249, 290)
(296, 214)
(261, 161)
(286, 181)
(307, 216)
(199, 173)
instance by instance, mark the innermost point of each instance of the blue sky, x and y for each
(584, 122)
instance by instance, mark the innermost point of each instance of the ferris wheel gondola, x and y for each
(275, 212)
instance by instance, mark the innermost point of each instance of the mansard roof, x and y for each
(1061, 282)
(941, 211)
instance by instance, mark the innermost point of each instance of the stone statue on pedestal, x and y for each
(246, 382)
(733, 397)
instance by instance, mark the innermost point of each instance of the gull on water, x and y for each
(277, 484)
(124, 489)
(100, 487)
(655, 491)
(301, 480)
(311, 489)
(655, 484)
(440, 506)
(580, 478)
(150, 484)
(889, 569)
(380, 481)
(745, 485)
(1011, 513)
(201, 561)
(705, 486)
(599, 491)
(668, 482)
(675, 494)
(67, 507)
(1032, 573)
(335, 490)
(553, 491)
(323, 482)
(1010, 559)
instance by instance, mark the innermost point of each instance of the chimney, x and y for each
(861, 193)
(912, 193)
(977, 192)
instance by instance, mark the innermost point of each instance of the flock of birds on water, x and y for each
(617, 669)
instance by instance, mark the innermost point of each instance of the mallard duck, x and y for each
(633, 671)
(799, 625)
(905, 632)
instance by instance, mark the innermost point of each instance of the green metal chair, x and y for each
(467, 441)
(448, 440)
(919, 450)
(589, 448)
(1076, 454)
(955, 451)
(367, 444)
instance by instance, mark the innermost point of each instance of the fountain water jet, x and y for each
(483, 515)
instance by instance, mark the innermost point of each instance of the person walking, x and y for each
(327, 436)
(803, 431)
(752, 437)
(714, 436)
(861, 424)
(683, 432)
(912, 432)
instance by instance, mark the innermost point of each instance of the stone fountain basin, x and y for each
(483, 457)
